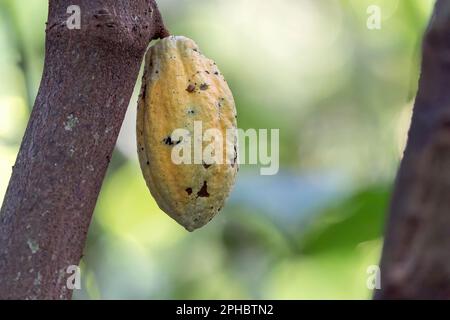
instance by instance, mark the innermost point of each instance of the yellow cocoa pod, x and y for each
(183, 90)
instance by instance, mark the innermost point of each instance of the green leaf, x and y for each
(357, 219)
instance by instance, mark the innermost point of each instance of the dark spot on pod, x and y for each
(148, 163)
(144, 92)
(206, 166)
(235, 157)
(204, 86)
(170, 142)
(203, 193)
(216, 73)
(207, 72)
(190, 88)
(189, 191)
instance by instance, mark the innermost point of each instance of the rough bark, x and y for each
(416, 256)
(88, 79)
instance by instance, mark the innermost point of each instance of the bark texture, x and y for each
(416, 257)
(88, 79)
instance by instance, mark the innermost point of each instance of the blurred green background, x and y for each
(341, 96)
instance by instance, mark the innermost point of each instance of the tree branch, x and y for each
(87, 83)
(416, 255)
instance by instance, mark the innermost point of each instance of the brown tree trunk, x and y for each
(416, 255)
(88, 79)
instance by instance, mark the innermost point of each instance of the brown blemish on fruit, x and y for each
(170, 142)
(203, 193)
(190, 88)
(206, 166)
(144, 91)
(235, 157)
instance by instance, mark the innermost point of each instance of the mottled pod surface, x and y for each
(184, 90)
